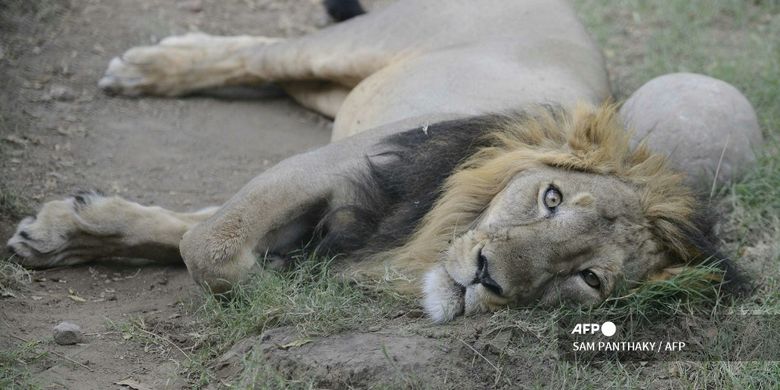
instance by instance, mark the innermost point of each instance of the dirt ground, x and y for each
(59, 134)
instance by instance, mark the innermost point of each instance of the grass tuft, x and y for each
(691, 291)
(13, 277)
(309, 297)
(15, 365)
(755, 200)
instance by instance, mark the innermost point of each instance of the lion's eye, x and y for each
(552, 198)
(590, 278)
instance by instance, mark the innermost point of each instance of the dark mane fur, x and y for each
(393, 197)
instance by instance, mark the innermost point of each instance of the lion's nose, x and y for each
(483, 275)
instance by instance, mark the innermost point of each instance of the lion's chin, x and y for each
(444, 298)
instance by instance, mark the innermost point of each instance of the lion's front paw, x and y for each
(218, 255)
(46, 239)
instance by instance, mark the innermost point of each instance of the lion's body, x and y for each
(399, 179)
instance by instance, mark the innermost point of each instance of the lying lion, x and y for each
(472, 160)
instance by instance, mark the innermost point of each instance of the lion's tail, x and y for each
(341, 10)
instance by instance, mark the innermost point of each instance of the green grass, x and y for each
(732, 40)
(755, 201)
(690, 292)
(14, 366)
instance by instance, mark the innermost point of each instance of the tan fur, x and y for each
(95, 227)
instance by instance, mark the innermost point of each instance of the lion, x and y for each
(473, 162)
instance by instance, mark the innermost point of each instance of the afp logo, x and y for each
(607, 329)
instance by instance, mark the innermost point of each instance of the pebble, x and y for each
(67, 333)
(191, 5)
(60, 93)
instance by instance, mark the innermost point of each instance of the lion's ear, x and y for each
(702, 239)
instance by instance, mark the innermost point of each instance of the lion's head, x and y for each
(558, 208)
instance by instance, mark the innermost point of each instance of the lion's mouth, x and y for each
(447, 297)
(482, 276)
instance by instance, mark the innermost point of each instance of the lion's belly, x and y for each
(464, 84)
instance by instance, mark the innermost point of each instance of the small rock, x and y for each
(67, 333)
(191, 5)
(60, 93)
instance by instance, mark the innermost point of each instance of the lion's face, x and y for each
(551, 236)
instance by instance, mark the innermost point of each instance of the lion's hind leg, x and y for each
(183, 64)
(89, 226)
